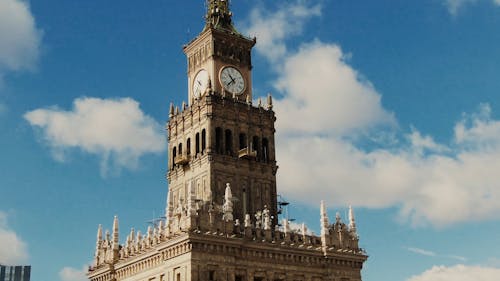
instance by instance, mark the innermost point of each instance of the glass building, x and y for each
(15, 273)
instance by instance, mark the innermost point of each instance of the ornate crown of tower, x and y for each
(219, 59)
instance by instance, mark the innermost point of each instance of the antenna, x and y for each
(283, 208)
(155, 220)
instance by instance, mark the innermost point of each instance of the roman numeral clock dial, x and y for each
(232, 80)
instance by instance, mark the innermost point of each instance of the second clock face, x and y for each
(232, 80)
(200, 83)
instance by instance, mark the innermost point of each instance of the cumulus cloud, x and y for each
(327, 110)
(273, 28)
(458, 273)
(325, 94)
(73, 274)
(116, 130)
(19, 37)
(13, 250)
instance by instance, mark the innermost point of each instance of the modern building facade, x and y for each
(15, 273)
(222, 209)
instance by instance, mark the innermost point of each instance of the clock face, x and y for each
(200, 83)
(232, 80)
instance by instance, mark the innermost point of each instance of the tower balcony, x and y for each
(247, 153)
(182, 160)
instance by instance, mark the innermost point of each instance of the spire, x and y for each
(228, 204)
(219, 15)
(99, 234)
(324, 218)
(269, 101)
(171, 111)
(352, 222)
(115, 233)
(98, 246)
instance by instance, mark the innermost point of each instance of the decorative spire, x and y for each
(352, 222)
(219, 15)
(171, 112)
(98, 246)
(99, 234)
(324, 219)
(115, 234)
(227, 208)
(269, 101)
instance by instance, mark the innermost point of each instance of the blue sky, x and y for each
(391, 106)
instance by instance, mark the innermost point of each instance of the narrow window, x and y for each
(188, 146)
(265, 150)
(174, 155)
(229, 142)
(203, 141)
(255, 145)
(243, 141)
(211, 275)
(218, 140)
(197, 143)
(180, 149)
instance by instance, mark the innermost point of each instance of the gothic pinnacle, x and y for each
(269, 101)
(115, 234)
(219, 15)
(171, 112)
(352, 221)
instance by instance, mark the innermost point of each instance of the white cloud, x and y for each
(325, 94)
(73, 274)
(422, 252)
(13, 250)
(328, 108)
(458, 273)
(19, 37)
(272, 29)
(116, 130)
(454, 6)
(428, 253)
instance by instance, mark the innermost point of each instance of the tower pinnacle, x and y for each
(219, 15)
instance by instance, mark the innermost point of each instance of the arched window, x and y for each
(255, 145)
(265, 150)
(203, 141)
(197, 143)
(188, 146)
(218, 140)
(243, 141)
(180, 149)
(229, 142)
(174, 154)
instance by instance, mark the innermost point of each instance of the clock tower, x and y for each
(221, 216)
(219, 136)
(220, 56)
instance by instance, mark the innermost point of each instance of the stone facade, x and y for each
(222, 210)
